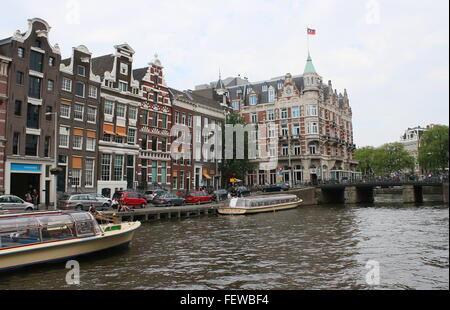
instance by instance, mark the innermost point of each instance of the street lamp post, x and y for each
(55, 195)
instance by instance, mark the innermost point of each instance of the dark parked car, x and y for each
(219, 195)
(240, 191)
(82, 202)
(168, 199)
(284, 186)
(272, 188)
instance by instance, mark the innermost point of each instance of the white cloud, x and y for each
(391, 68)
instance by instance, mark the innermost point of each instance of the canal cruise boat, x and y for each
(41, 237)
(260, 204)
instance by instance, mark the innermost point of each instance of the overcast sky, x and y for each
(391, 56)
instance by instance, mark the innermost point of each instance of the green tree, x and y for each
(367, 159)
(433, 150)
(237, 168)
(385, 159)
(394, 157)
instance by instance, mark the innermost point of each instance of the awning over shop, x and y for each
(121, 131)
(206, 175)
(109, 129)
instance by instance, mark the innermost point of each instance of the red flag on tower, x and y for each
(311, 31)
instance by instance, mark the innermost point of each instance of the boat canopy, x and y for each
(27, 229)
(260, 201)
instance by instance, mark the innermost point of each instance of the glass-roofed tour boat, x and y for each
(260, 204)
(40, 237)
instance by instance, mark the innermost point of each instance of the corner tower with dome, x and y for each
(311, 120)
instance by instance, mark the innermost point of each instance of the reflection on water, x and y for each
(318, 247)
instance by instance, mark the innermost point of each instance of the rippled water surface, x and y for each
(318, 247)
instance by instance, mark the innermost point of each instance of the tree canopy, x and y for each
(385, 159)
(433, 150)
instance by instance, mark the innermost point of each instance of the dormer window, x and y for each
(253, 100)
(123, 86)
(271, 95)
(280, 85)
(264, 88)
(81, 71)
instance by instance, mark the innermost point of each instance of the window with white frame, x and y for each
(296, 129)
(109, 107)
(264, 88)
(252, 100)
(312, 149)
(272, 151)
(91, 114)
(76, 177)
(254, 118)
(284, 130)
(106, 167)
(81, 70)
(93, 92)
(65, 110)
(78, 111)
(118, 168)
(271, 132)
(280, 85)
(64, 133)
(89, 172)
(190, 120)
(296, 112)
(121, 110)
(132, 113)
(312, 110)
(77, 142)
(90, 144)
(79, 89)
(285, 150)
(284, 113)
(297, 149)
(313, 128)
(123, 86)
(235, 104)
(67, 84)
(177, 117)
(271, 115)
(271, 95)
(131, 136)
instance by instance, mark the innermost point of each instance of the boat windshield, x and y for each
(24, 230)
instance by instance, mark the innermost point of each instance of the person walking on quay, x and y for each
(35, 198)
(28, 197)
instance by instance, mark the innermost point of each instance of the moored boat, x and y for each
(260, 204)
(40, 237)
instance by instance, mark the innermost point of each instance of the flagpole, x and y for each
(307, 36)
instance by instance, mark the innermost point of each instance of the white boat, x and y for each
(260, 204)
(40, 237)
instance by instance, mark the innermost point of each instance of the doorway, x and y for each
(21, 183)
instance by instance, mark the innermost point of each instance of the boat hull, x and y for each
(248, 210)
(61, 250)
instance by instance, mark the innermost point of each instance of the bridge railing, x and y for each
(380, 179)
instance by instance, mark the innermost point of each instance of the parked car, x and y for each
(131, 199)
(197, 197)
(219, 195)
(272, 188)
(102, 198)
(82, 202)
(240, 191)
(284, 186)
(151, 194)
(14, 203)
(168, 199)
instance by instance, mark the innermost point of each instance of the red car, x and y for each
(132, 199)
(198, 197)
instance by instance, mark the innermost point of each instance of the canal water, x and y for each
(317, 247)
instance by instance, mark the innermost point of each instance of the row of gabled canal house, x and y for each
(111, 122)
